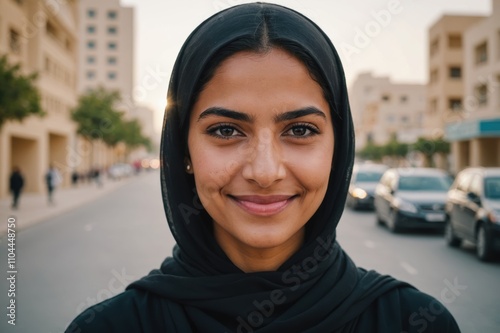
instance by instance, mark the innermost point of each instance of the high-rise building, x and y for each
(445, 88)
(475, 131)
(383, 110)
(41, 36)
(106, 47)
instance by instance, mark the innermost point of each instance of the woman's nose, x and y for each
(264, 164)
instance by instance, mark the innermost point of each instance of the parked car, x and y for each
(412, 198)
(120, 170)
(365, 178)
(473, 210)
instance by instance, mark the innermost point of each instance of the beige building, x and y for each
(42, 37)
(475, 134)
(445, 89)
(106, 52)
(383, 109)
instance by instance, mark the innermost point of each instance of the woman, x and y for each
(257, 153)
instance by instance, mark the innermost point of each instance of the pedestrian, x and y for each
(16, 183)
(52, 180)
(257, 152)
(74, 178)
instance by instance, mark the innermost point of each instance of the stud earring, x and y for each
(188, 168)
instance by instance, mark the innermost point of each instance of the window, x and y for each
(91, 13)
(91, 44)
(405, 119)
(90, 60)
(434, 46)
(455, 104)
(455, 72)
(386, 98)
(90, 75)
(433, 105)
(91, 29)
(403, 99)
(112, 75)
(481, 52)
(455, 41)
(112, 45)
(112, 14)
(111, 60)
(434, 76)
(390, 119)
(112, 30)
(14, 41)
(482, 94)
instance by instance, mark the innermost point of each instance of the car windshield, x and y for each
(492, 188)
(424, 183)
(368, 176)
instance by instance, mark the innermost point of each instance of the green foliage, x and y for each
(19, 98)
(97, 119)
(430, 147)
(96, 116)
(397, 149)
(371, 152)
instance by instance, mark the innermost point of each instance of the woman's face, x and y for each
(261, 147)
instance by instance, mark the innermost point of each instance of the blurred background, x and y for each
(82, 92)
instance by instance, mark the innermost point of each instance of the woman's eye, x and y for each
(223, 131)
(301, 131)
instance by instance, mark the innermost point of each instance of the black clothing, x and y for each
(318, 289)
(16, 183)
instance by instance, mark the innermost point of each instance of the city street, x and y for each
(93, 252)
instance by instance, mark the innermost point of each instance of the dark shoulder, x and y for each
(130, 311)
(423, 313)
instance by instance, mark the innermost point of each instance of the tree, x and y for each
(19, 98)
(95, 114)
(430, 147)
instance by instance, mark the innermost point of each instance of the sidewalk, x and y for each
(34, 208)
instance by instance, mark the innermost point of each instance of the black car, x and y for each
(365, 178)
(473, 210)
(412, 198)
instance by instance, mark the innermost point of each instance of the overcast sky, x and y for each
(386, 37)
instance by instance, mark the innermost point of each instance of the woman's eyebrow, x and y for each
(290, 115)
(218, 111)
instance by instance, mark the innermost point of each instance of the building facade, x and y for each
(475, 135)
(106, 50)
(445, 88)
(383, 110)
(106, 59)
(42, 37)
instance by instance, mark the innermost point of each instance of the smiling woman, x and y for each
(257, 152)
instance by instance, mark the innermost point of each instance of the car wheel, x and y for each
(393, 222)
(483, 244)
(449, 235)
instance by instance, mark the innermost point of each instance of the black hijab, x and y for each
(318, 289)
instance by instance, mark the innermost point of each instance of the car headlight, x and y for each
(359, 193)
(494, 216)
(405, 206)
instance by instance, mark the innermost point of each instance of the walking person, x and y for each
(52, 180)
(16, 183)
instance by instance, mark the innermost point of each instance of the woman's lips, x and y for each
(263, 205)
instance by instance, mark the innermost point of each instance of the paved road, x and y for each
(70, 262)
(469, 288)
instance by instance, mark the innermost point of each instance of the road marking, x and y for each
(409, 268)
(88, 227)
(369, 244)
